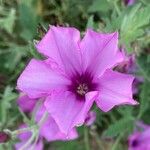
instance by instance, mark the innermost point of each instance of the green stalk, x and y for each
(86, 139)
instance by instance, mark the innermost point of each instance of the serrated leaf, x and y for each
(70, 145)
(14, 56)
(118, 127)
(100, 5)
(34, 53)
(144, 70)
(90, 23)
(132, 23)
(143, 65)
(5, 104)
(125, 110)
(28, 20)
(144, 98)
(7, 22)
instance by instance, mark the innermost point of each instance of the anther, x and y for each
(82, 89)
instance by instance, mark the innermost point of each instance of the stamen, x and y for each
(82, 89)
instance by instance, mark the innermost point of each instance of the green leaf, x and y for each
(5, 104)
(28, 20)
(125, 110)
(132, 23)
(144, 99)
(90, 23)
(7, 22)
(143, 65)
(33, 52)
(100, 5)
(118, 127)
(70, 145)
(14, 56)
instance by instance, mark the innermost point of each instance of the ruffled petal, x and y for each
(115, 89)
(50, 130)
(24, 137)
(68, 111)
(90, 97)
(145, 136)
(36, 146)
(25, 103)
(139, 140)
(91, 117)
(100, 51)
(61, 44)
(39, 79)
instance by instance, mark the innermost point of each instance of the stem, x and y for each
(35, 134)
(36, 140)
(44, 117)
(24, 147)
(26, 119)
(1, 2)
(97, 139)
(4, 52)
(143, 2)
(32, 128)
(36, 108)
(143, 72)
(86, 139)
(3, 112)
(114, 147)
(19, 131)
(116, 7)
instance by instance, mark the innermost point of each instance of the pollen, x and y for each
(82, 89)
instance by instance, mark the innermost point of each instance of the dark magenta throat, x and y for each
(82, 84)
(135, 143)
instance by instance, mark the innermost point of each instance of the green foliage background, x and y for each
(19, 20)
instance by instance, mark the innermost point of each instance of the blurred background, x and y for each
(24, 21)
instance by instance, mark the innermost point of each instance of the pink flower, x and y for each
(25, 103)
(76, 74)
(4, 137)
(91, 117)
(129, 66)
(129, 2)
(49, 129)
(24, 137)
(140, 139)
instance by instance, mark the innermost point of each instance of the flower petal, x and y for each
(90, 97)
(61, 44)
(100, 51)
(39, 79)
(50, 130)
(115, 89)
(25, 103)
(91, 117)
(24, 137)
(145, 136)
(67, 111)
(36, 146)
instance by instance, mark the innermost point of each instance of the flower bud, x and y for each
(4, 137)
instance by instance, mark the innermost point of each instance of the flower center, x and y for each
(82, 89)
(82, 84)
(134, 143)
